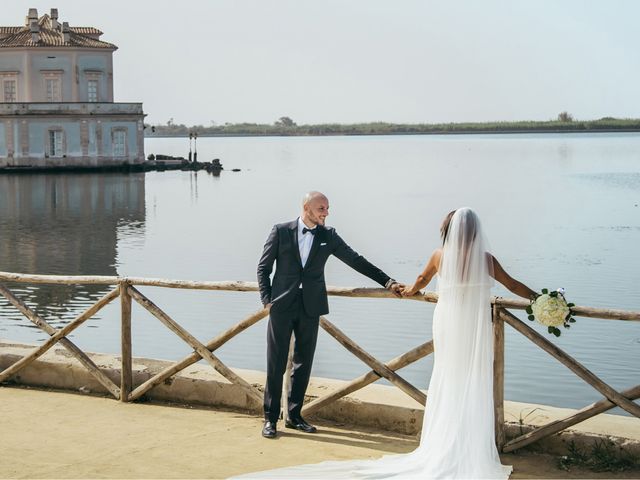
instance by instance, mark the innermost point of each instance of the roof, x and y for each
(48, 36)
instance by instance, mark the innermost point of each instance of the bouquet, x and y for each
(552, 310)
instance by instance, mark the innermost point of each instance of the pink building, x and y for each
(57, 107)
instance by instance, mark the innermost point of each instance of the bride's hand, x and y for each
(408, 292)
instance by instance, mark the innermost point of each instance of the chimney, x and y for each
(54, 19)
(35, 32)
(66, 32)
(32, 17)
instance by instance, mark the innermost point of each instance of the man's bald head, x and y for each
(315, 209)
(312, 196)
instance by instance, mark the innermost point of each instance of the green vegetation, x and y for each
(285, 126)
(604, 456)
(522, 418)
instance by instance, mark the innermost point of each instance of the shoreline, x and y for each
(380, 407)
(395, 134)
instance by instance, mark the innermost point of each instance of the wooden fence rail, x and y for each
(125, 288)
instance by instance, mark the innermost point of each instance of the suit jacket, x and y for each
(282, 249)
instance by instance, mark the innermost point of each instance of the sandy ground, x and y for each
(63, 435)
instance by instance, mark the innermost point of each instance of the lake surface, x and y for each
(559, 210)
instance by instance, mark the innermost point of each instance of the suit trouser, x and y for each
(281, 326)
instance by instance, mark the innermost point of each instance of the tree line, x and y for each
(285, 126)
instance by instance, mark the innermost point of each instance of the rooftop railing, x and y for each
(71, 108)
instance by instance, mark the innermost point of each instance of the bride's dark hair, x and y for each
(470, 227)
(446, 223)
(467, 228)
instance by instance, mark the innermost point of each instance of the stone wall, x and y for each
(375, 406)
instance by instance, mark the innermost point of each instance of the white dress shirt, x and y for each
(304, 241)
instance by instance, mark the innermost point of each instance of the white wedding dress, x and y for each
(458, 431)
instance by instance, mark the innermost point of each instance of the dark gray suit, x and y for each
(296, 309)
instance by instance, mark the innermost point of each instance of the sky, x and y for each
(347, 61)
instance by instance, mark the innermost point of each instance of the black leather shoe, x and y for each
(300, 424)
(269, 430)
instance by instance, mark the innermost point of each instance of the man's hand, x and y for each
(396, 288)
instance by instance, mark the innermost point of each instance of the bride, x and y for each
(458, 430)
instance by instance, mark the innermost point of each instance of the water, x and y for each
(559, 210)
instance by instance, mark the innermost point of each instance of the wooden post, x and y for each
(126, 381)
(498, 376)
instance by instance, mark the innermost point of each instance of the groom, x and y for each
(297, 297)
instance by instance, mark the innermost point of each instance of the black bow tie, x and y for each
(312, 231)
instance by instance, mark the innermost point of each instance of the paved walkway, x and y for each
(63, 435)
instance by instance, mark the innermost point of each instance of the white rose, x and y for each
(550, 311)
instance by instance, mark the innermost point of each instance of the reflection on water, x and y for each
(559, 210)
(67, 225)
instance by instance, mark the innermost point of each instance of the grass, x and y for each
(384, 128)
(604, 456)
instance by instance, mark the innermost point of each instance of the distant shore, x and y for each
(290, 129)
(460, 132)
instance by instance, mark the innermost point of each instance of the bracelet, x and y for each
(390, 282)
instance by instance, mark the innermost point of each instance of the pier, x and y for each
(335, 403)
(159, 163)
(62, 435)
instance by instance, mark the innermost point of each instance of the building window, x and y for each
(119, 143)
(9, 88)
(93, 78)
(56, 143)
(92, 90)
(53, 90)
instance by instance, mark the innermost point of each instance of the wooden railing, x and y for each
(612, 397)
(125, 288)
